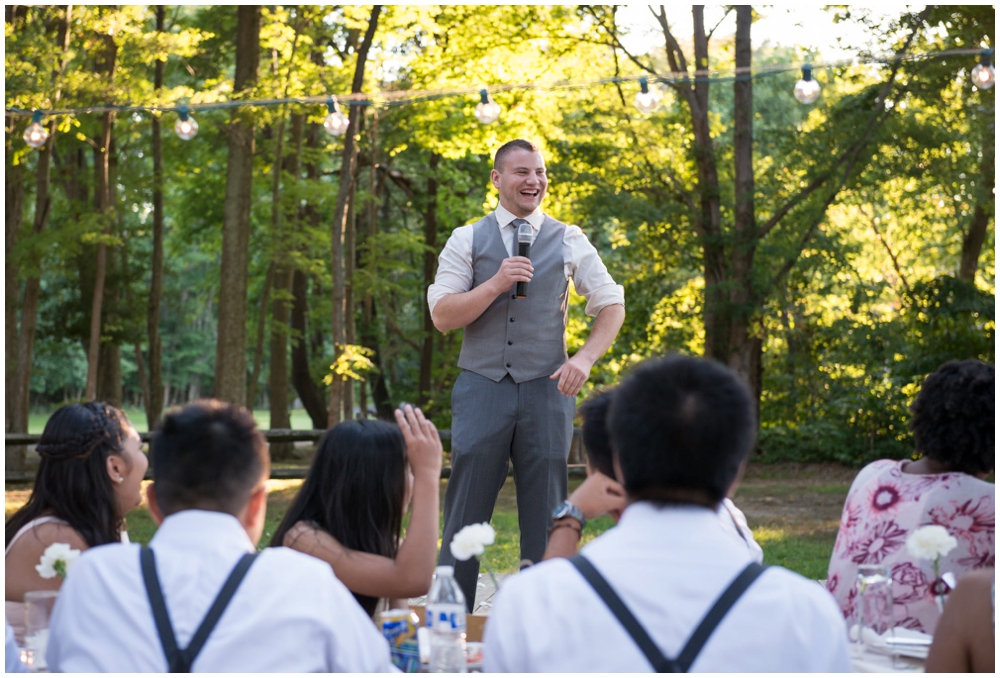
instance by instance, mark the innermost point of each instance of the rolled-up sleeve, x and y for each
(590, 276)
(454, 273)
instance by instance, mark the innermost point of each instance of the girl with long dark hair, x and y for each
(89, 476)
(349, 510)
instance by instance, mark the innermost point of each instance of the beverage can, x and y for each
(399, 627)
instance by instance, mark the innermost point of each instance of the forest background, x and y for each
(833, 253)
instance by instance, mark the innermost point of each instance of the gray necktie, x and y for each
(516, 225)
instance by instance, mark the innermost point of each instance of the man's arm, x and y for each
(461, 308)
(598, 495)
(574, 372)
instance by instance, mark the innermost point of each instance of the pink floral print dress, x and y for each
(883, 507)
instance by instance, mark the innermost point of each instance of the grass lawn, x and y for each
(793, 510)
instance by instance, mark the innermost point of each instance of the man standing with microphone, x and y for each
(515, 397)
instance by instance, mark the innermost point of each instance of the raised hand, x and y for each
(599, 495)
(423, 444)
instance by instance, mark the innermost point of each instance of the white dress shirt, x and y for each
(289, 614)
(581, 263)
(669, 565)
(736, 522)
(12, 653)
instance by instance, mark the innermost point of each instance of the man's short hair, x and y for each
(681, 426)
(954, 416)
(596, 442)
(208, 455)
(504, 150)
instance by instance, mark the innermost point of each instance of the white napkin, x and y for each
(878, 643)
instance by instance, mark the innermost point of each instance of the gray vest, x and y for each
(523, 337)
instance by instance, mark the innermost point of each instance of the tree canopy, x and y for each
(833, 253)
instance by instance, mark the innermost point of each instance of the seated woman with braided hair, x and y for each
(89, 477)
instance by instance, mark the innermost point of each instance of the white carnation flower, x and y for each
(472, 540)
(930, 542)
(57, 560)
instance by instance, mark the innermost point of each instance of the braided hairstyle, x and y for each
(72, 482)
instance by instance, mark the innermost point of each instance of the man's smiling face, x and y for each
(521, 181)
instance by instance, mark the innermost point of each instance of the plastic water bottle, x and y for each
(446, 622)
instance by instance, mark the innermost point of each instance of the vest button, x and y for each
(510, 343)
(513, 296)
(508, 364)
(512, 320)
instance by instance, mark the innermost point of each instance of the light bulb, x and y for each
(186, 127)
(336, 123)
(806, 90)
(36, 135)
(487, 110)
(647, 100)
(983, 75)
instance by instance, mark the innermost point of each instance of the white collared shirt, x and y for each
(581, 263)
(290, 614)
(736, 523)
(669, 565)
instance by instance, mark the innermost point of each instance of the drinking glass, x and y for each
(37, 613)
(875, 610)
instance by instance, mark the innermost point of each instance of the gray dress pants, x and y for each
(529, 424)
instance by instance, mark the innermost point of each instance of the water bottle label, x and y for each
(446, 618)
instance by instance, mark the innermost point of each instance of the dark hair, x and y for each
(72, 482)
(208, 455)
(355, 491)
(680, 426)
(594, 411)
(954, 415)
(504, 150)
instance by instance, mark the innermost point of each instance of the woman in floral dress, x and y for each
(953, 428)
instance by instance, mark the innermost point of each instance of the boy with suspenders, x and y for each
(668, 589)
(200, 598)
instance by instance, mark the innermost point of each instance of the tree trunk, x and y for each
(348, 168)
(278, 378)
(972, 243)
(430, 256)
(311, 396)
(742, 249)
(230, 356)
(350, 252)
(380, 391)
(154, 400)
(107, 59)
(14, 179)
(258, 349)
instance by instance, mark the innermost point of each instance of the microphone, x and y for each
(523, 247)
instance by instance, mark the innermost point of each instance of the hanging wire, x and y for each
(390, 98)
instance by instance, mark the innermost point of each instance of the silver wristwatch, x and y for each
(567, 509)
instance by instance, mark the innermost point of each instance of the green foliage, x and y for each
(870, 303)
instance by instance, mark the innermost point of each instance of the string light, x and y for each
(983, 75)
(647, 100)
(186, 127)
(487, 110)
(336, 123)
(806, 90)
(36, 134)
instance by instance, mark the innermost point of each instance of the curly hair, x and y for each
(954, 415)
(72, 482)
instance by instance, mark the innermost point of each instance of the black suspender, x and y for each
(178, 660)
(656, 658)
